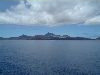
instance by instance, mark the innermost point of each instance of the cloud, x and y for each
(94, 20)
(52, 12)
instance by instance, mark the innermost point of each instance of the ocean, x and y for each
(49, 57)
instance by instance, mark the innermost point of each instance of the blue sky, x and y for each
(72, 30)
(5, 4)
(75, 18)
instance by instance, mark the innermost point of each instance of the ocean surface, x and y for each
(40, 57)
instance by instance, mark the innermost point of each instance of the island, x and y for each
(47, 36)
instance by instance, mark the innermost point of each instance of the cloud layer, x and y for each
(52, 12)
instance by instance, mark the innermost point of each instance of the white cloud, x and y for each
(94, 20)
(52, 12)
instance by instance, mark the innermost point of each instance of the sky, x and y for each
(72, 17)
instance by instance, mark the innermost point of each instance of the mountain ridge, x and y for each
(47, 36)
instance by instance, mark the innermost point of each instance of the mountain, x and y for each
(1, 38)
(47, 36)
(98, 38)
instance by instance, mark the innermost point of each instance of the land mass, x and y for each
(47, 36)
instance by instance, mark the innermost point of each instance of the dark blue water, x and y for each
(49, 57)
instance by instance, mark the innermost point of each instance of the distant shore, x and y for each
(47, 36)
